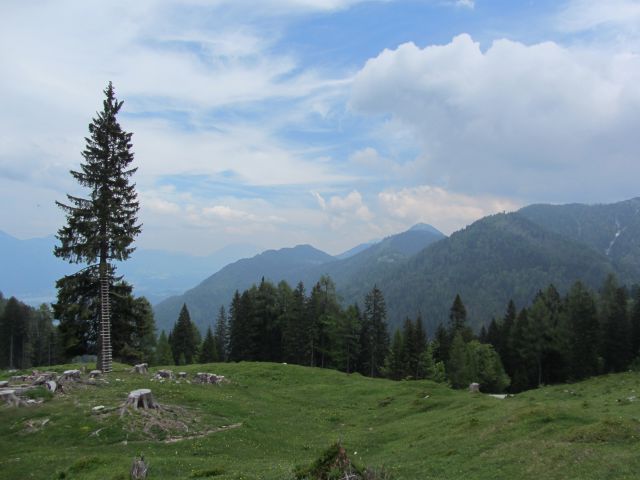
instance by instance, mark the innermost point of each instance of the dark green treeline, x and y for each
(555, 339)
(566, 338)
(277, 323)
(27, 335)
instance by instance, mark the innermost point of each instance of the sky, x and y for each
(328, 122)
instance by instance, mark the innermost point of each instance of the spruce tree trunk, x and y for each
(105, 354)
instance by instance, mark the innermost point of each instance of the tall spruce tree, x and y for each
(458, 320)
(584, 332)
(184, 339)
(295, 335)
(615, 328)
(208, 351)
(164, 356)
(102, 227)
(222, 335)
(14, 335)
(375, 336)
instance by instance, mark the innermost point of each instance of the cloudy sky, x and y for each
(329, 122)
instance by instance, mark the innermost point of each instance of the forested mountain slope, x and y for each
(611, 229)
(495, 259)
(205, 299)
(302, 263)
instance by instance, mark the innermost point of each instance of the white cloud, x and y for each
(445, 210)
(166, 59)
(342, 210)
(161, 206)
(465, 3)
(580, 15)
(515, 120)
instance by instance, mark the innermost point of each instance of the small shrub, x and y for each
(333, 464)
(39, 392)
(212, 472)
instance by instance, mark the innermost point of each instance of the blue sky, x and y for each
(328, 122)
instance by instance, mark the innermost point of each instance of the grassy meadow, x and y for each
(270, 418)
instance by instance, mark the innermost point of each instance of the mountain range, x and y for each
(301, 263)
(29, 270)
(493, 260)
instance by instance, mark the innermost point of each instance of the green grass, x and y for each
(291, 414)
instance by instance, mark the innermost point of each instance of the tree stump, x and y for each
(40, 378)
(141, 368)
(474, 387)
(182, 374)
(141, 398)
(162, 374)
(72, 375)
(52, 386)
(4, 384)
(202, 377)
(10, 398)
(139, 469)
(95, 373)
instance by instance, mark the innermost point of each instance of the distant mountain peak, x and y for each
(425, 227)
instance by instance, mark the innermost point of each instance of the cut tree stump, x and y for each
(52, 386)
(162, 374)
(139, 469)
(182, 374)
(10, 398)
(141, 398)
(202, 377)
(72, 375)
(95, 373)
(4, 384)
(474, 387)
(141, 368)
(40, 378)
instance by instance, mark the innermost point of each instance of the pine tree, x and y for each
(584, 332)
(102, 227)
(524, 353)
(349, 346)
(457, 317)
(442, 344)
(295, 335)
(504, 346)
(458, 364)
(432, 370)
(208, 352)
(410, 357)
(44, 345)
(394, 367)
(163, 351)
(222, 335)
(615, 327)
(184, 340)
(374, 332)
(266, 331)
(14, 335)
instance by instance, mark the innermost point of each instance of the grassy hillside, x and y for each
(285, 415)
